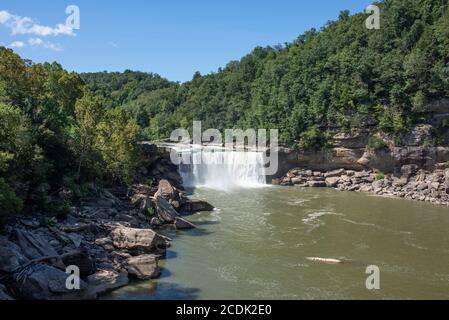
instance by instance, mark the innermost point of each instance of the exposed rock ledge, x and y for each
(411, 183)
(352, 150)
(111, 237)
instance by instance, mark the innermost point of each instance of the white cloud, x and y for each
(38, 42)
(24, 25)
(17, 44)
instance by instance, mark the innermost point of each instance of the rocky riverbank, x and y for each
(113, 236)
(410, 183)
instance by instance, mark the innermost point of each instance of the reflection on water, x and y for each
(254, 247)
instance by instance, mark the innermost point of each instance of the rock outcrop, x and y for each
(44, 282)
(410, 183)
(352, 150)
(144, 267)
(101, 238)
(138, 240)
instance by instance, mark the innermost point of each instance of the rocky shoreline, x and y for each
(113, 236)
(411, 183)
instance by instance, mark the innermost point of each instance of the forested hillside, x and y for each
(56, 136)
(342, 75)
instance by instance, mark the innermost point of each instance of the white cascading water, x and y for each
(222, 170)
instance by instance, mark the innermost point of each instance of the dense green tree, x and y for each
(89, 113)
(117, 141)
(336, 76)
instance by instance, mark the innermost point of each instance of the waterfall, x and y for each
(221, 169)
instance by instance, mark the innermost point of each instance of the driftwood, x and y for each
(58, 257)
(47, 258)
(324, 260)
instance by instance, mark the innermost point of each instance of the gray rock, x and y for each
(11, 257)
(105, 281)
(165, 210)
(106, 243)
(182, 224)
(435, 185)
(193, 206)
(332, 182)
(422, 186)
(400, 182)
(145, 240)
(43, 282)
(317, 184)
(366, 188)
(361, 174)
(369, 179)
(409, 170)
(418, 135)
(30, 223)
(351, 140)
(335, 173)
(144, 267)
(166, 191)
(156, 222)
(297, 181)
(32, 245)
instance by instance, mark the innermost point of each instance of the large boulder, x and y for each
(332, 182)
(165, 210)
(105, 281)
(145, 240)
(166, 191)
(43, 282)
(144, 267)
(192, 206)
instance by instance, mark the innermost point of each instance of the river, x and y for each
(254, 246)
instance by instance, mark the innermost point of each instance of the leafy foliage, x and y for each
(55, 133)
(342, 75)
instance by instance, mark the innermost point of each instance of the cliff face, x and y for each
(425, 145)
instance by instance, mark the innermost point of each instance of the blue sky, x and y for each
(174, 38)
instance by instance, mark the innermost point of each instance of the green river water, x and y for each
(255, 244)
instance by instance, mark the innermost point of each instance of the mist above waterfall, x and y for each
(222, 169)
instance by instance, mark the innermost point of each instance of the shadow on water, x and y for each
(198, 233)
(206, 223)
(170, 254)
(152, 290)
(165, 273)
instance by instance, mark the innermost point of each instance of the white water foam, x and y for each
(223, 169)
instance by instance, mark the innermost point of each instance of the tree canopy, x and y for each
(342, 75)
